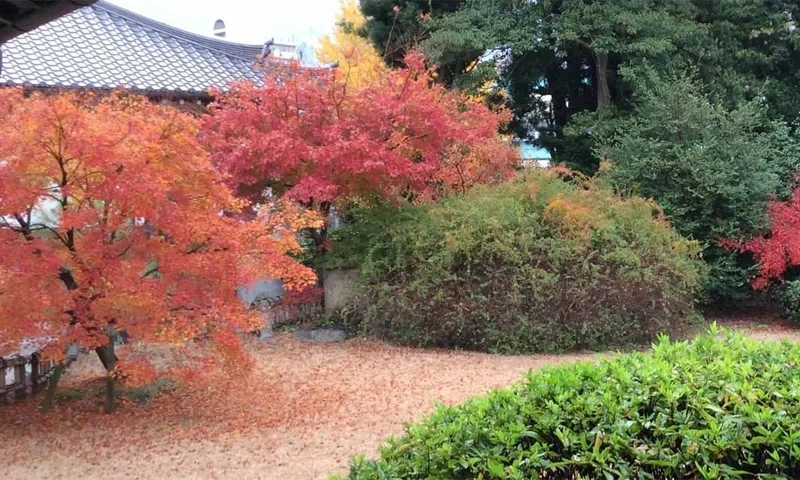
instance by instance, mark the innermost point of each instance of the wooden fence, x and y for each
(277, 313)
(23, 375)
(282, 314)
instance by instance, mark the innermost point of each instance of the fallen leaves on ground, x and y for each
(303, 412)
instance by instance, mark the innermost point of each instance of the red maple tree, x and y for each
(306, 135)
(111, 220)
(779, 250)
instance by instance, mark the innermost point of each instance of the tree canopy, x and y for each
(309, 137)
(558, 58)
(111, 220)
(356, 57)
(395, 27)
(693, 102)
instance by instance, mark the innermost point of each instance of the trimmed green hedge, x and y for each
(714, 408)
(541, 264)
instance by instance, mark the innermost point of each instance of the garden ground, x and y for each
(305, 412)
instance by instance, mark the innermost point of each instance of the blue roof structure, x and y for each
(528, 151)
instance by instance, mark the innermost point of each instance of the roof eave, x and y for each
(201, 96)
(39, 16)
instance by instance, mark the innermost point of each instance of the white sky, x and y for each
(246, 21)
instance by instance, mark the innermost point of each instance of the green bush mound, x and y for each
(541, 264)
(714, 408)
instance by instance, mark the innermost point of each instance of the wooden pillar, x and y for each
(51, 387)
(18, 388)
(34, 373)
(110, 374)
(3, 399)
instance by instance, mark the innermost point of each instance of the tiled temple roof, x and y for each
(102, 46)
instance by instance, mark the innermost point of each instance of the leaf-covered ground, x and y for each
(305, 411)
(302, 414)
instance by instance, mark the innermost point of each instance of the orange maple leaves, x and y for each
(111, 213)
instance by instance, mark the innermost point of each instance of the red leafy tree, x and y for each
(307, 136)
(111, 220)
(779, 250)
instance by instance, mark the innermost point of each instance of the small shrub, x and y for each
(712, 408)
(539, 264)
(789, 296)
(69, 394)
(777, 253)
(328, 320)
(145, 393)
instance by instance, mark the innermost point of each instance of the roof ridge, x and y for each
(184, 35)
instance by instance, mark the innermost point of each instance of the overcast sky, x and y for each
(247, 21)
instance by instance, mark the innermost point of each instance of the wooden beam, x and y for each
(41, 15)
(30, 4)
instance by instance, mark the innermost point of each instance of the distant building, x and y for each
(533, 156)
(301, 53)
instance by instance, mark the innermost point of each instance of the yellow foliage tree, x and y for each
(357, 58)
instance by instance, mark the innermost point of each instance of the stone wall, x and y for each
(265, 296)
(263, 289)
(338, 288)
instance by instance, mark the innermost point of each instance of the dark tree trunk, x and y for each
(106, 355)
(106, 359)
(66, 277)
(320, 237)
(51, 387)
(603, 92)
(558, 98)
(34, 373)
(560, 113)
(111, 375)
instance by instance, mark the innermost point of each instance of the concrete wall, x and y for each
(338, 291)
(338, 288)
(268, 287)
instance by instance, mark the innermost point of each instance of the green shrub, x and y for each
(712, 169)
(712, 408)
(68, 394)
(789, 296)
(96, 388)
(535, 265)
(147, 392)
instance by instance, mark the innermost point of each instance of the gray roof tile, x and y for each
(104, 46)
